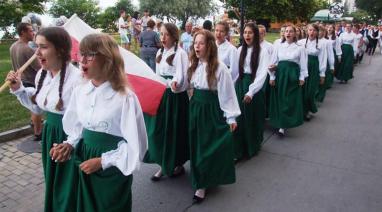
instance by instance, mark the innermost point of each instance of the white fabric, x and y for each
(122, 23)
(261, 72)
(277, 42)
(329, 50)
(225, 88)
(319, 49)
(102, 109)
(293, 53)
(227, 53)
(356, 47)
(265, 45)
(49, 91)
(178, 70)
(186, 40)
(347, 38)
(337, 46)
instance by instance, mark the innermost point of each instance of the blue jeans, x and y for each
(149, 60)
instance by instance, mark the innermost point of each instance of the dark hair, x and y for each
(174, 34)
(151, 23)
(135, 15)
(317, 28)
(255, 56)
(22, 27)
(333, 35)
(207, 25)
(61, 41)
(225, 25)
(211, 58)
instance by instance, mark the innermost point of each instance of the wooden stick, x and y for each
(20, 71)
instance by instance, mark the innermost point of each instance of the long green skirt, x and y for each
(250, 124)
(104, 190)
(327, 84)
(211, 144)
(60, 178)
(345, 70)
(267, 91)
(168, 132)
(310, 88)
(286, 110)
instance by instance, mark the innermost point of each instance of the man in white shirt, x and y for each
(186, 38)
(145, 19)
(122, 29)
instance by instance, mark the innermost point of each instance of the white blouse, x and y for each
(105, 110)
(178, 70)
(347, 38)
(262, 70)
(293, 53)
(267, 46)
(225, 88)
(319, 49)
(337, 46)
(357, 40)
(49, 91)
(329, 50)
(227, 54)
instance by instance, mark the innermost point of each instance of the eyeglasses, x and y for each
(88, 56)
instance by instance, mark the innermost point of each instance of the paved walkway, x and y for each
(332, 163)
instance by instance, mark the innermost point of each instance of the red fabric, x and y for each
(75, 50)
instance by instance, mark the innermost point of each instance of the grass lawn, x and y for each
(12, 113)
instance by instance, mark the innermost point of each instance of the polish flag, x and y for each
(148, 86)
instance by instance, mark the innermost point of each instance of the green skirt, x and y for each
(250, 124)
(285, 109)
(312, 83)
(167, 132)
(327, 84)
(211, 144)
(267, 92)
(104, 190)
(345, 70)
(60, 178)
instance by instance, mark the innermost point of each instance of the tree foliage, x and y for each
(179, 9)
(12, 11)
(373, 7)
(280, 10)
(87, 10)
(108, 18)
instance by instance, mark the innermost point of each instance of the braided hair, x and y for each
(61, 41)
(255, 52)
(174, 34)
(316, 27)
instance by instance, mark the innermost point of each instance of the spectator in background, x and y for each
(122, 29)
(149, 42)
(158, 25)
(20, 53)
(136, 25)
(186, 38)
(207, 25)
(145, 19)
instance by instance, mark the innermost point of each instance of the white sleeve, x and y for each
(71, 123)
(331, 60)
(227, 95)
(274, 60)
(303, 64)
(338, 47)
(323, 58)
(261, 74)
(234, 63)
(130, 152)
(181, 66)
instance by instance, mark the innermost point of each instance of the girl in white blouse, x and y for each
(227, 52)
(288, 72)
(105, 126)
(55, 83)
(317, 62)
(253, 70)
(213, 110)
(168, 130)
(345, 70)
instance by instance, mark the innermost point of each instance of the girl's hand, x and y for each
(301, 83)
(322, 80)
(90, 166)
(174, 86)
(61, 152)
(247, 99)
(272, 68)
(15, 80)
(272, 83)
(232, 127)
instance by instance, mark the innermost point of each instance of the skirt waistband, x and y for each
(97, 139)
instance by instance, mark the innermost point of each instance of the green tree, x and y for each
(360, 15)
(179, 9)
(108, 18)
(373, 7)
(12, 11)
(87, 10)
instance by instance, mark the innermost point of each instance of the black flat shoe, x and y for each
(197, 200)
(179, 173)
(155, 178)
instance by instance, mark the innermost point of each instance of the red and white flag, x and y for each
(148, 86)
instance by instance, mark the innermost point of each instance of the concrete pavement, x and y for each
(332, 163)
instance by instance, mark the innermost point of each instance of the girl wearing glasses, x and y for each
(55, 83)
(105, 125)
(167, 131)
(213, 110)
